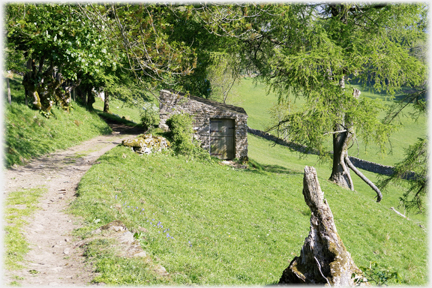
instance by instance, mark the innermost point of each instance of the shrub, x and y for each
(182, 133)
(183, 141)
(149, 115)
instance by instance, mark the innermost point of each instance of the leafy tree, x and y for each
(57, 44)
(313, 50)
(143, 32)
(413, 168)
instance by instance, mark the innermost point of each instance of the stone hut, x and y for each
(221, 128)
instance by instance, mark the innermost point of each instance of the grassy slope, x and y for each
(29, 134)
(120, 108)
(257, 102)
(244, 225)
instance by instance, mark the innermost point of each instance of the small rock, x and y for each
(127, 237)
(159, 269)
(97, 231)
(66, 251)
(141, 254)
(66, 239)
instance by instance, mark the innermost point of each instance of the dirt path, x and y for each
(53, 255)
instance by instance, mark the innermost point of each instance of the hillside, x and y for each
(211, 224)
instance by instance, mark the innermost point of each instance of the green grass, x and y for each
(120, 108)
(236, 227)
(29, 134)
(19, 206)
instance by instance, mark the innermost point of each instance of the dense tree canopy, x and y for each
(57, 44)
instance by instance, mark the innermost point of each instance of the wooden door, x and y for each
(222, 138)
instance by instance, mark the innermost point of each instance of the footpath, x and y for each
(54, 259)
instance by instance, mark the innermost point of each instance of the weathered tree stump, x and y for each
(323, 258)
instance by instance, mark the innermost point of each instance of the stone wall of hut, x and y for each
(203, 110)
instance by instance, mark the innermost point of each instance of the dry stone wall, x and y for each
(359, 163)
(202, 110)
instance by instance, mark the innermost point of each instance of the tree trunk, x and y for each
(90, 99)
(25, 96)
(106, 103)
(323, 258)
(340, 172)
(8, 91)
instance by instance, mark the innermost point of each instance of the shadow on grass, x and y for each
(114, 119)
(264, 169)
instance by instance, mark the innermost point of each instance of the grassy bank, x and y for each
(211, 224)
(29, 134)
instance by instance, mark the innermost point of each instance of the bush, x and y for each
(182, 133)
(149, 115)
(183, 141)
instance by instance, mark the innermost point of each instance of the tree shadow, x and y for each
(264, 169)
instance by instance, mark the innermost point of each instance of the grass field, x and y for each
(212, 224)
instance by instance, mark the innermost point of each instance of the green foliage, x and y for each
(380, 276)
(183, 141)
(416, 161)
(223, 74)
(149, 115)
(60, 35)
(19, 206)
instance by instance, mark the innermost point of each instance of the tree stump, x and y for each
(323, 257)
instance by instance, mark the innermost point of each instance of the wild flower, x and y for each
(116, 197)
(168, 236)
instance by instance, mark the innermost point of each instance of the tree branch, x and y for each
(350, 165)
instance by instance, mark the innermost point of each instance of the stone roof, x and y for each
(215, 104)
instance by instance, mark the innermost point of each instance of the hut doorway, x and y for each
(222, 138)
